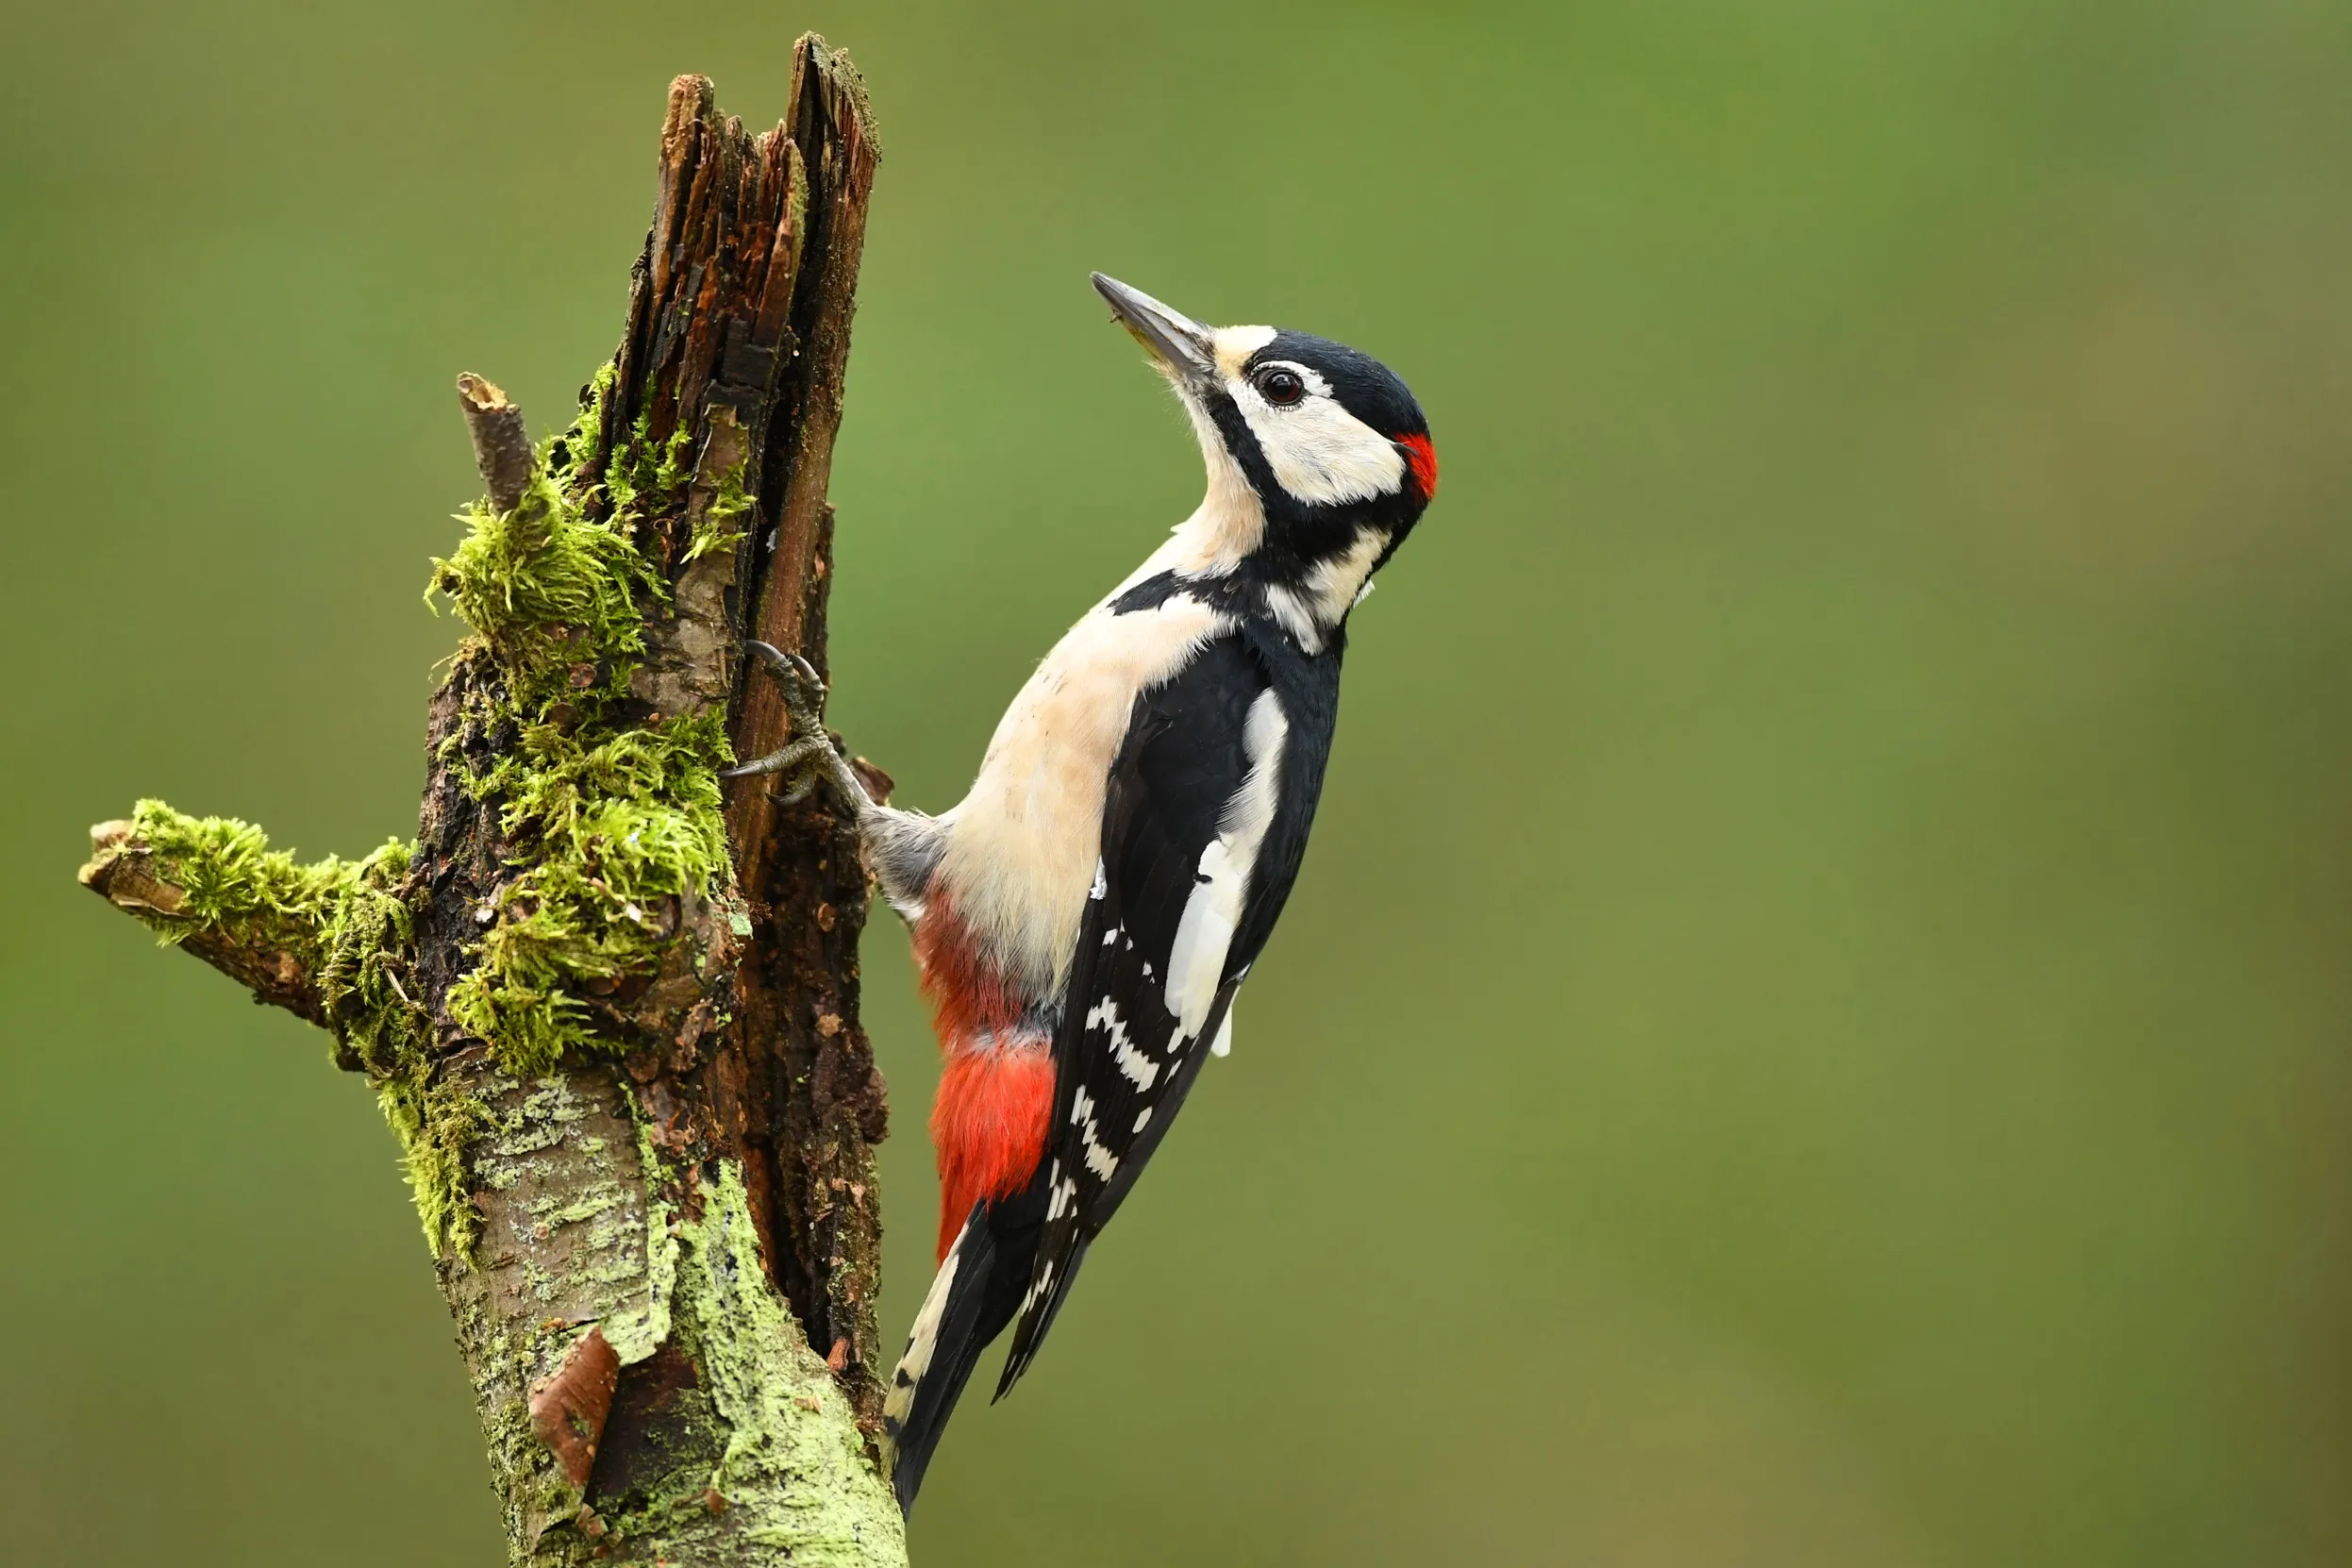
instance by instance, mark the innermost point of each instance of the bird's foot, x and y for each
(809, 758)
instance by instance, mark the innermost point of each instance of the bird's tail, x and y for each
(973, 1296)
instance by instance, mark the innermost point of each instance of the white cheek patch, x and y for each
(1319, 452)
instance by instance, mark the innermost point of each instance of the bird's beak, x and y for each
(1176, 341)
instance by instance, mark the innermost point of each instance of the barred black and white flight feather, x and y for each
(1204, 827)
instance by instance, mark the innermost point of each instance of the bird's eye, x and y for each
(1280, 388)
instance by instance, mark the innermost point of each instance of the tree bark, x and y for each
(610, 1003)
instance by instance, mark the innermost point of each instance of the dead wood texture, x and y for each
(660, 1243)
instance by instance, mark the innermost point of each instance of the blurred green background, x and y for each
(1813, 1031)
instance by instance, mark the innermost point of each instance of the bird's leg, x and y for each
(903, 848)
(809, 758)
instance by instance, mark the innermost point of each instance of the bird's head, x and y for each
(1319, 458)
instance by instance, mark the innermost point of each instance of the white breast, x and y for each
(1022, 847)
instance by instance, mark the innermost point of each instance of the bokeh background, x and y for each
(1814, 1028)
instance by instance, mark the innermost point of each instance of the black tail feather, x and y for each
(1017, 1363)
(991, 1259)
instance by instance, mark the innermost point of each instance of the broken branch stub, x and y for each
(502, 442)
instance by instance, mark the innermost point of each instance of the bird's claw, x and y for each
(809, 757)
(792, 759)
(797, 680)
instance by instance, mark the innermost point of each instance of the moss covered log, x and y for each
(608, 1002)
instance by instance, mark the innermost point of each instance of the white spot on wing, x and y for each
(1223, 1044)
(1037, 1287)
(1099, 1159)
(1140, 1069)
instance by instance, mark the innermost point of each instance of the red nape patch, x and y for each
(988, 1128)
(1424, 459)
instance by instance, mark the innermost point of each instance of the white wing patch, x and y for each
(1196, 963)
(1204, 930)
(1223, 1044)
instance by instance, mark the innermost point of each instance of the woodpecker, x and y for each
(1083, 917)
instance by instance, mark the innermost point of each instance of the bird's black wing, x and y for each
(1199, 784)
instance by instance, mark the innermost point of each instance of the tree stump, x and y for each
(608, 1002)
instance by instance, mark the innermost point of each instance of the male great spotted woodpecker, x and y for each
(1084, 916)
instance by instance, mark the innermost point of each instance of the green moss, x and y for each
(647, 475)
(365, 952)
(346, 923)
(716, 529)
(437, 1124)
(368, 944)
(610, 819)
(616, 829)
(548, 588)
(233, 881)
(579, 449)
(646, 472)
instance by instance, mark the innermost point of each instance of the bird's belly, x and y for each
(1024, 844)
